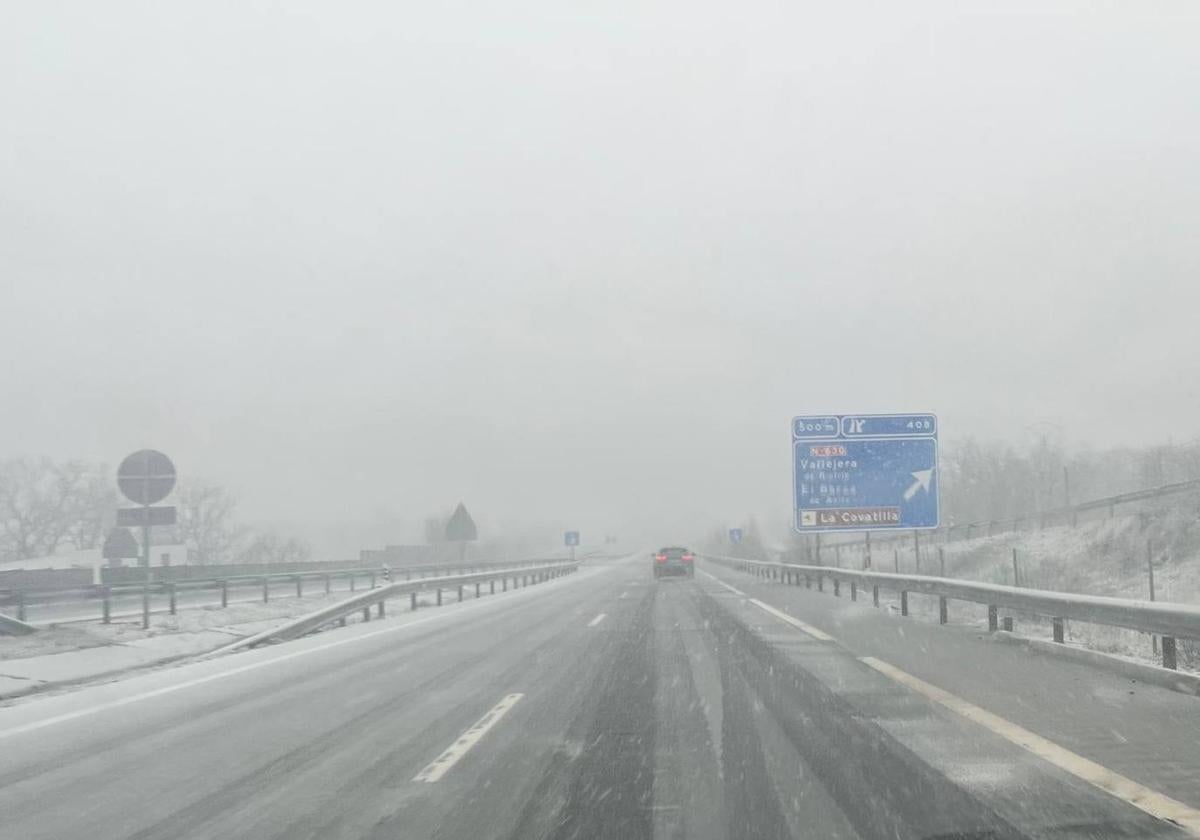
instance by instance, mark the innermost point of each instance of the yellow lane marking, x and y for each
(1152, 802)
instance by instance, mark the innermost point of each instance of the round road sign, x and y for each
(146, 477)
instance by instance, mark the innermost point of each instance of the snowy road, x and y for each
(598, 705)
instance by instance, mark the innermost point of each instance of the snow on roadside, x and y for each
(199, 620)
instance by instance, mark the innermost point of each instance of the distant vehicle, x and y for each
(674, 560)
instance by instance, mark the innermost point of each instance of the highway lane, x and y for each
(599, 705)
(631, 726)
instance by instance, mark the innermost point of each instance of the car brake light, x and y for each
(661, 558)
(689, 557)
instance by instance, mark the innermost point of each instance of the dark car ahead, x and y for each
(674, 560)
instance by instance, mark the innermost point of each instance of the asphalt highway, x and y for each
(599, 705)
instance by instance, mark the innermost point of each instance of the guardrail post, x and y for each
(171, 597)
(903, 602)
(299, 586)
(266, 589)
(1008, 624)
(106, 593)
(379, 612)
(1058, 629)
(992, 622)
(366, 613)
(942, 610)
(853, 590)
(837, 589)
(492, 585)
(503, 584)
(476, 589)
(326, 584)
(352, 576)
(372, 580)
(413, 598)
(807, 581)
(20, 606)
(460, 593)
(820, 582)
(439, 600)
(875, 595)
(1168, 650)
(224, 594)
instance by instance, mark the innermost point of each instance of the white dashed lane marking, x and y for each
(596, 620)
(441, 765)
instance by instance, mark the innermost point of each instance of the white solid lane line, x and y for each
(820, 635)
(596, 620)
(441, 765)
(732, 589)
(1150, 801)
(795, 622)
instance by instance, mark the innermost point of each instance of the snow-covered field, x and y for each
(64, 638)
(1099, 556)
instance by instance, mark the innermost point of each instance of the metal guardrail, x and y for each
(104, 593)
(14, 627)
(1170, 621)
(524, 575)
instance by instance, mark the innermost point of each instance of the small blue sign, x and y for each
(735, 535)
(571, 538)
(876, 472)
(888, 425)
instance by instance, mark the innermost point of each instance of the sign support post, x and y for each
(146, 580)
(146, 477)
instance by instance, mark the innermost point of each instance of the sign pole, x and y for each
(1150, 572)
(146, 580)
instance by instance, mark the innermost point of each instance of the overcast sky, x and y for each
(579, 263)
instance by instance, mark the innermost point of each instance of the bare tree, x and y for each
(272, 548)
(38, 504)
(93, 510)
(206, 524)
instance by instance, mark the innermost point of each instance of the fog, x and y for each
(579, 267)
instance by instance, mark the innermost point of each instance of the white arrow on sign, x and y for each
(923, 479)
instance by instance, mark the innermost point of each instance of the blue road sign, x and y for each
(865, 472)
(571, 538)
(735, 535)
